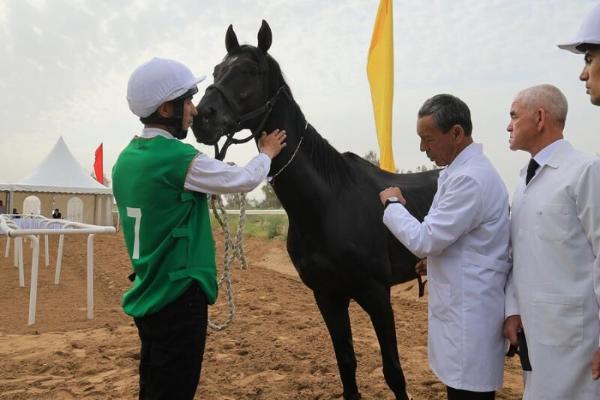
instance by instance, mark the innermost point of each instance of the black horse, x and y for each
(336, 238)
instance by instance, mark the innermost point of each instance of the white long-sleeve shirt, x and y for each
(212, 176)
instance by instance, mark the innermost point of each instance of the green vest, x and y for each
(166, 228)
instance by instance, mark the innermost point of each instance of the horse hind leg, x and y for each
(334, 310)
(375, 300)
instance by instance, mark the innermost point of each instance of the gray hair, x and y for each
(447, 111)
(548, 97)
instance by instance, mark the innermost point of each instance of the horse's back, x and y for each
(418, 188)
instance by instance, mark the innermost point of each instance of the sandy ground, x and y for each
(277, 348)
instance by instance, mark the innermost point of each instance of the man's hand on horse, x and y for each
(421, 267)
(390, 193)
(272, 143)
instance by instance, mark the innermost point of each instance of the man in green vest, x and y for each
(161, 186)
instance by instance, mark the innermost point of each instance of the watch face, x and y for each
(393, 198)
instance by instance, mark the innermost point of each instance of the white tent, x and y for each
(61, 182)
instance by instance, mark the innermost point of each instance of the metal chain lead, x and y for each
(232, 249)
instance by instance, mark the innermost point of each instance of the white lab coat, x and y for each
(466, 239)
(555, 233)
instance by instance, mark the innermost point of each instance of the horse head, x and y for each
(241, 97)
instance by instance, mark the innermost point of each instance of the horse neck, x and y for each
(317, 172)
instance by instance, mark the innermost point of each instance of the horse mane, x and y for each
(276, 77)
(327, 161)
(325, 158)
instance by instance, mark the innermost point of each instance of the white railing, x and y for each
(257, 211)
(18, 226)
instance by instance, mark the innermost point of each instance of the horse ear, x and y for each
(264, 37)
(231, 41)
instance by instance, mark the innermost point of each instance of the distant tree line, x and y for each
(371, 157)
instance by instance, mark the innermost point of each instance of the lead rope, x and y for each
(232, 249)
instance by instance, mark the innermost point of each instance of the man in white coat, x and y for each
(465, 237)
(553, 293)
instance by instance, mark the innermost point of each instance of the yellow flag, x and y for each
(380, 70)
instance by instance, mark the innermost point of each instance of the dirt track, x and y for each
(277, 348)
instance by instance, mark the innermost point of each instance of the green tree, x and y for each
(270, 201)
(420, 168)
(371, 157)
(233, 200)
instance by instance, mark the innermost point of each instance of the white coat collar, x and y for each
(560, 148)
(544, 156)
(551, 155)
(465, 155)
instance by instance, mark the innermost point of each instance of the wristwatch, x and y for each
(391, 200)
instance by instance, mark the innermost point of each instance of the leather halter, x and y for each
(264, 110)
(240, 119)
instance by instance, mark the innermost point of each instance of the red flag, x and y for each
(99, 165)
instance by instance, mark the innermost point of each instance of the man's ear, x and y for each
(165, 110)
(458, 132)
(540, 118)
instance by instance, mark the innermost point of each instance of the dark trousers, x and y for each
(457, 394)
(172, 348)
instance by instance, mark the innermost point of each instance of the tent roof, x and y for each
(59, 172)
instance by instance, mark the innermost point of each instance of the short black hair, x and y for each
(447, 111)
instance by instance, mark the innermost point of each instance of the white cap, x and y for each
(589, 32)
(158, 81)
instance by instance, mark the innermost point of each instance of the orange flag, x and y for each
(99, 165)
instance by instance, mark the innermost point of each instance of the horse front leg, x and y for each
(374, 298)
(334, 309)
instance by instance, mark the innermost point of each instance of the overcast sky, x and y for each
(65, 65)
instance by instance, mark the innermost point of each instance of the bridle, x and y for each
(241, 118)
(264, 110)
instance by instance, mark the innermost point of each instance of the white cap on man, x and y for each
(589, 32)
(156, 82)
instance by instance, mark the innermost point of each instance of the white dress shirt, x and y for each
(212, 176)
(466, 239)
